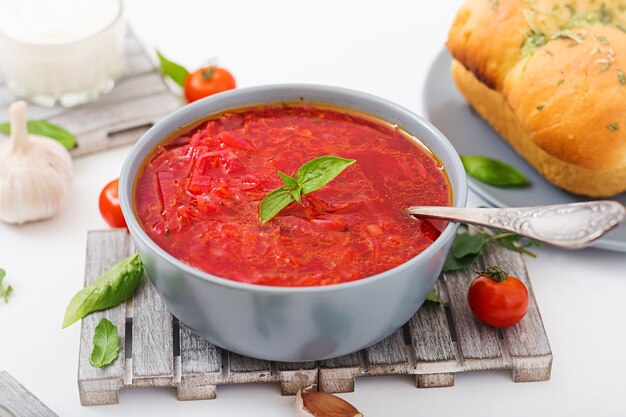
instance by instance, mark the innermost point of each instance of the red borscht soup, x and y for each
(198, 194)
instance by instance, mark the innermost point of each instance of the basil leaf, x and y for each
(466, 248)
(311, 176)
(465, 244)
(47, 129)
(318, 172)
(274, 202)
(113, 287)
(176, 72)
(291, 183)
(297, 194)
(512, 242)
(493, 172)
(454, 264)
(433, 297)
(4, 292)
(106, 344)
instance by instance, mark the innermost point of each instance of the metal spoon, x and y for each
(570, 226)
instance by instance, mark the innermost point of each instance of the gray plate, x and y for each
(470, 134)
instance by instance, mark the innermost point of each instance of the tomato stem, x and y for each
(495, 273)
(207, 73)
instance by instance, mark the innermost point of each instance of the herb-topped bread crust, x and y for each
(550, 77)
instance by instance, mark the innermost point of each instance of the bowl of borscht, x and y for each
(270, 219)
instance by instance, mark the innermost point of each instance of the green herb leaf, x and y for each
(318, 172)
(113, 287)
(517, 243)
(492, 171)
(467, 244)
(106, 344)
(621, 77)
(613, 127)
(176, 72)
(467, 247)
(310, 177)
(290, 182)
(47, 129)
(274, 202)
(433, 297)
(4, 291)
(535, 39)
(297, 194)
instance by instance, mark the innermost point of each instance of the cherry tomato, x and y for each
(497, 298)
(110, 205)
(206, 81)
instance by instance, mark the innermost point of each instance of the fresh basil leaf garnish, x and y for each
(310, 177)
(318, 172)
(493, 172)
(274, 202)
(467, 247)
(113, 287)
(171, 69)
(433, 297)
(47, 129)
(106, 344)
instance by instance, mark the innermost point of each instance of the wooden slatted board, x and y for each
(120, 117)
(439, 341)
(17, 401)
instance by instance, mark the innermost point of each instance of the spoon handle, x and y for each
(570, 226)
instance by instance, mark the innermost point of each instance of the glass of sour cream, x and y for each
(68, 52)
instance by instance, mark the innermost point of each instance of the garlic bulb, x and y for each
(35, 173)
(321, 404)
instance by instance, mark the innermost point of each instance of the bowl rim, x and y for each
(127, 180)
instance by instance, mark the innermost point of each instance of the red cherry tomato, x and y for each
(497, 298)
(206, 81)
(110, 205)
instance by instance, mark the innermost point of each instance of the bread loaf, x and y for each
(550, 77)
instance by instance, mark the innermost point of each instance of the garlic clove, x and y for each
(35, 173)
(322, 404)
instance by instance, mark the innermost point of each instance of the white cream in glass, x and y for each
(61, 51)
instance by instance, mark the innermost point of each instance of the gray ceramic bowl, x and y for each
(293, 324)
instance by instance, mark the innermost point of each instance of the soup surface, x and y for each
(197, 196)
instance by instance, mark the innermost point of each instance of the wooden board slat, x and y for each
(20, 402)
(139, 99)
(528, 338)
(201, 366)
(389, 356)
(296, 375)
(438, 341)
(431, 339)
(153, 350)
(101, 385)
(477, 341)
(337, 374)
(243, 369)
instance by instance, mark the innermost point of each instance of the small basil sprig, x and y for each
(106, 344)
(433, 296)
(310, 177)
(113, 287)
(467, 247)
(493, 172)
(171, 69)
(47, 129)
(4, 291)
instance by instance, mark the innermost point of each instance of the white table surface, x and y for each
(384, 48)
